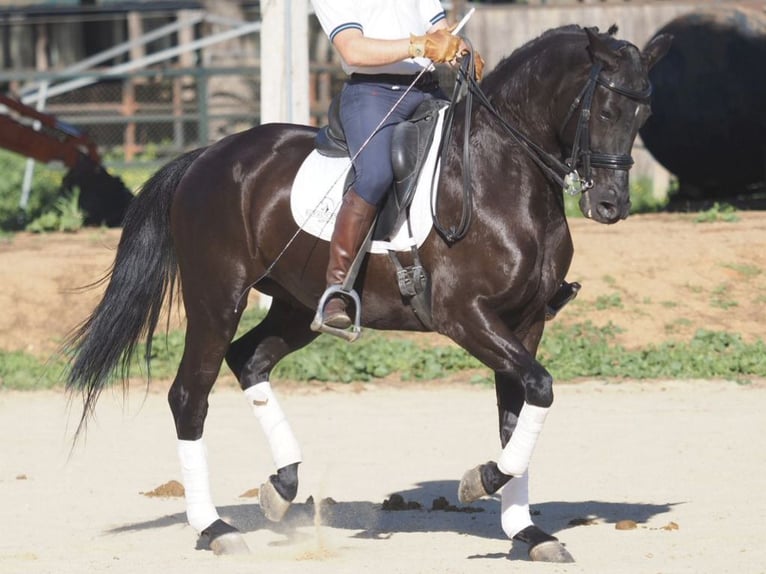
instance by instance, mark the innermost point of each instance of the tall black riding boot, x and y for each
(351, 227)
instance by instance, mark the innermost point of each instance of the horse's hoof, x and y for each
(550, 551)
(272, 503)
(228, 544)
(223, 538)
(471, 487)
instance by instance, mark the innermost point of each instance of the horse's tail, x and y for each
(142, 275)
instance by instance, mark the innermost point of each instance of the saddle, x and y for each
(410, 144)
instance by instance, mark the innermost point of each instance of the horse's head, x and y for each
(603, 120)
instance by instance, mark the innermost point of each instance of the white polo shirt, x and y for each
(383, 20)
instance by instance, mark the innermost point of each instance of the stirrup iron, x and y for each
(352, 333)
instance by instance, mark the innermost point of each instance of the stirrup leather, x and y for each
(352, 333)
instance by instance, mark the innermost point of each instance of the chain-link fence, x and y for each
(152, 113)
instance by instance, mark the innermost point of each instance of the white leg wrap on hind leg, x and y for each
(514, 505)
(284, 447)
(200, 510)
(514, 460)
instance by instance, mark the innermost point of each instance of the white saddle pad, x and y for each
(318, 189)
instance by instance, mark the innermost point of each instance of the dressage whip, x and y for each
(460, 25)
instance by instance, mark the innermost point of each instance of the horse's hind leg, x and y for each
(211, 324)
(252, 357)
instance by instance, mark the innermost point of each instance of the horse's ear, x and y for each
(656, 49)
(600, 50)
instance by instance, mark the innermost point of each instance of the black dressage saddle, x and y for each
(410, 145)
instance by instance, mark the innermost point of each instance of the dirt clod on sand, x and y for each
(171, 489)
(397, 502)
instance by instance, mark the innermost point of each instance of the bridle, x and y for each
(565, 173)
(581, 155)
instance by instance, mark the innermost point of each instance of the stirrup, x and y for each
(352, 333)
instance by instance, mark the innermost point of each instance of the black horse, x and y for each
(561, 111)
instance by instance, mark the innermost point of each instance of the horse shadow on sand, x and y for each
(428, 507)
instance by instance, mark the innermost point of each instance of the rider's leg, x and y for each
(362, 108)
(351, 226)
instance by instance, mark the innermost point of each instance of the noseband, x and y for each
(581, 155)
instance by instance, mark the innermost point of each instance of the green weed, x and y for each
(747, 271)
(720, 298)
(22, 371)
(567, 351)
(612, 301)
(65, 215)
(719, 212)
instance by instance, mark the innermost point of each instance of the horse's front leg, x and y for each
(516, 518)
(485, 335)
(525, 393)
(251, 358)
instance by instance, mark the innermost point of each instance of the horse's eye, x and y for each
(605, 115)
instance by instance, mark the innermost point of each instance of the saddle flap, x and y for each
(410, 145)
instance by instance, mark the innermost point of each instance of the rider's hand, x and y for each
(478, 63)
(439, 46)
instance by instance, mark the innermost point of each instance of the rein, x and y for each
(563, 173)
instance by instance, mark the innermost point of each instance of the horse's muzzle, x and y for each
(604, 207)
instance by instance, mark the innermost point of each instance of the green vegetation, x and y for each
(611, 301)
(45, 191)
(49, 207)
(65, 215)
(719, 212)
(720, 297)
(747, 271)
(642, 199)
(568, 352)
(19, 370)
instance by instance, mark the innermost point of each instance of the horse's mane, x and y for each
(507, 71)
(533, 47)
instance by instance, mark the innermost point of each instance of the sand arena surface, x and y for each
(658, 453)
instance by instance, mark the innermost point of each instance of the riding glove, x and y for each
(440, 46)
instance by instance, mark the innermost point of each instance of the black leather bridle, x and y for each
(564, 173)
(581, 155)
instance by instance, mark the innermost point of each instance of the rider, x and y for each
(383, 46)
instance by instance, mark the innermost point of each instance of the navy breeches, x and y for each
(362, 107)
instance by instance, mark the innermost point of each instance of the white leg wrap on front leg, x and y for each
(515, 515)
(514, 460)
(284, 446)
(200, 510)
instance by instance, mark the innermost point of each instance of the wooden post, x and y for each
(284, 61)
(186, 61)
(128, 111)
(41, 48)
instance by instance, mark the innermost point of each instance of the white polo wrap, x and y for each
(514, 460)
(284, 446)
(200, 511)
(514, 505)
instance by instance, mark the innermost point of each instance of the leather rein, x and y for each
(563, 173)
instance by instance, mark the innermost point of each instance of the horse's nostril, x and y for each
(608, 211)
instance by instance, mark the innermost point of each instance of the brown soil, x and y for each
(657, 277)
